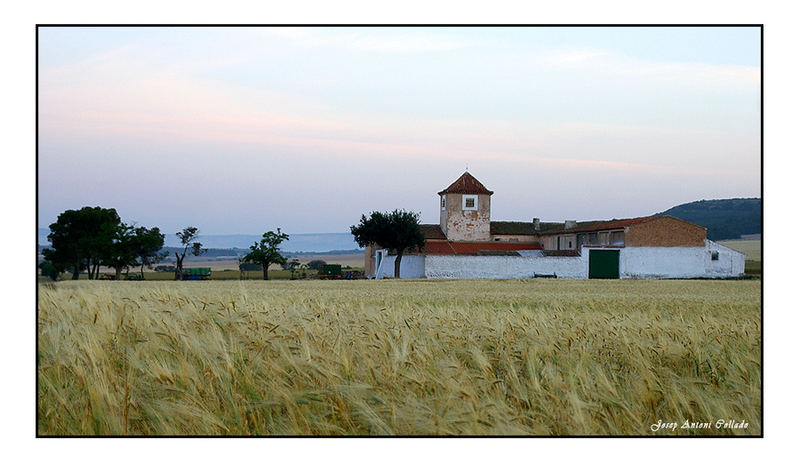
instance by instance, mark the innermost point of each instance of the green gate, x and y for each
(604, 264)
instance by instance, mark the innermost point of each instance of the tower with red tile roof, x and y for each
(465, 210)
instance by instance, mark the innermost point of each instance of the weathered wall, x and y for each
(411, 267)
(516, 238)
(503, 267)
(369, 260)
(635, 263)
(665, 232)
(461, 225)
(679, 262)
(730, 262)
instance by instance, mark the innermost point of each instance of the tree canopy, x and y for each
(397, 231)
(315, 264)
(267, 251)
(82, 239)
(147, 246)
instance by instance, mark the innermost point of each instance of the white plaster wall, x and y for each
(634, 263)
(411, 267)
(504, 267)
(662, 262)
(729, 264)
(679, 262)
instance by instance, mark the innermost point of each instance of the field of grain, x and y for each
(523, 357)
(751, 248)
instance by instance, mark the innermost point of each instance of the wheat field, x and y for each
(523, 357)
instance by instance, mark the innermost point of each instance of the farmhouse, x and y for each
(468, 244)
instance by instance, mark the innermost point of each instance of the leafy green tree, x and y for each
(267, 251)
(188, 238)
(134, 246)
(292, 265)
(397, 231)
(120, 254)
(49, 270)
(315, 264)
(147, 245)
(82, 238)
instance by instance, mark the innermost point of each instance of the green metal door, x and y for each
(604, 264)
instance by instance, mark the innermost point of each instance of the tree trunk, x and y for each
(96, 270)
(119, 272)
(89, 268)
(397, 264)
(76, 271)
(178, 267)
(265, 267)
(142, 271)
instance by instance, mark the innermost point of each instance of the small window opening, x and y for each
(444, 202)
(469, 202)
(715, 256)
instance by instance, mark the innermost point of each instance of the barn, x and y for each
(467, 244)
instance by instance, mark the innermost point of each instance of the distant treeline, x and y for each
(239, 252)
(724, 219)
(225, 252)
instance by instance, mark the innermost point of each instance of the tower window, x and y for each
(469, 202)
(444, 202)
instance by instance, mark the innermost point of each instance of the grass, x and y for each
(522, 357)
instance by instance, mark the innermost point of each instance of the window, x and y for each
(444, 202)
(617, 238)
(570, 245)
(469, 202)
(715, 256)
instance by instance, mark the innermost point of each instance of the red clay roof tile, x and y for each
(467, 184)
(444, 247)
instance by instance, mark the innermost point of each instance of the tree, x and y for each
(292, 265)
(82, 238)
(134, 246)
(147, 246)
(49, 270)
(121, 254)
(397, 231)
(188, 238)
(267, 252)
(315, 264)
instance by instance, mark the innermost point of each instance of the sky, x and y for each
(242, 130)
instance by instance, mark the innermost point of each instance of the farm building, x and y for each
(468, 244)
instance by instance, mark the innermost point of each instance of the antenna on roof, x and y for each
(466, 168)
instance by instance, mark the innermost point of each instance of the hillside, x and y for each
(725, 219)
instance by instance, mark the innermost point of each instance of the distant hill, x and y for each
(724, 219)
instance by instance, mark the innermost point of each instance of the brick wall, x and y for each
(665, 232)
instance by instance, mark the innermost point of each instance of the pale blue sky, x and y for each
(240, 130)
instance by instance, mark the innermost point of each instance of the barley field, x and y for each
(522, 357)
(751, 248)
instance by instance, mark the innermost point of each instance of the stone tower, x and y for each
(465, 208)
